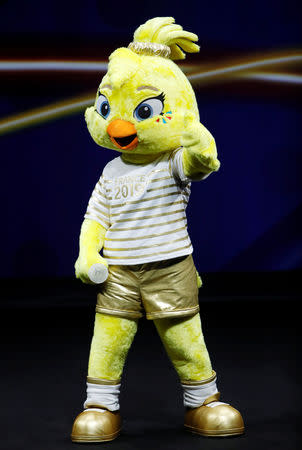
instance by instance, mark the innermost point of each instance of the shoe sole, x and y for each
(216, 433)
(91, 439)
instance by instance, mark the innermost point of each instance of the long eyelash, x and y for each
(161, 97)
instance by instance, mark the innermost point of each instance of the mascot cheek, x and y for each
(88, 115)
(165, 117)
(97, 127)
(162, 133)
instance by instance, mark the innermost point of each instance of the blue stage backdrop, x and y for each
(247, 78)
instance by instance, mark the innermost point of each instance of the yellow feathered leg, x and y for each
(184, 342)
(111, 341)
(101, 421)
(205, 415)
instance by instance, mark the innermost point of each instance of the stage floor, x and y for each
(253, 344)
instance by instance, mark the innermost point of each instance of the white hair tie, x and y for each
(150, 48)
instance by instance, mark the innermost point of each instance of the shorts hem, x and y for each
(119, 313)
(173, 313)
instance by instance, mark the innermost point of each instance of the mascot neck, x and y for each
(139, 158)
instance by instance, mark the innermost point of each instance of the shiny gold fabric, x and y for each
(103, 381)
(96, 426)
(199, 382)
(220, 421)
(160, 289)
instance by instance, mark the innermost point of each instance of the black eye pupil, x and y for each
(104, 109)
(144, 112)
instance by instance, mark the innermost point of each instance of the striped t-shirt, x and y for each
(142, 207)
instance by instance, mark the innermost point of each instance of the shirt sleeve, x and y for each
(98, 206)
(177, 170)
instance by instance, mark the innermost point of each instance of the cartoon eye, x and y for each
(149, 108)
(102, 106)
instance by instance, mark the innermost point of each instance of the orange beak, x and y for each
(123, 134)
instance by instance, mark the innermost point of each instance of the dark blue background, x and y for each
(246, 217)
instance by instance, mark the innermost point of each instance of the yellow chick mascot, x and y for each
(145, 108)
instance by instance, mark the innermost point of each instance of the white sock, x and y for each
(195, 395)
(106, 395)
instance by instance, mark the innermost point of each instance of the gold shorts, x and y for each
(158, 289)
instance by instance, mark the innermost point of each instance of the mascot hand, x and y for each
(200, 148)
(91, 268)
(199, 280)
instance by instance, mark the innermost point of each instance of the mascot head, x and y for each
(143, 98)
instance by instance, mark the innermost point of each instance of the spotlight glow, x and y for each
(253, 69)
(46, 113)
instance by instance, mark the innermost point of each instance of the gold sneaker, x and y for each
(214, 420)
(96, 425)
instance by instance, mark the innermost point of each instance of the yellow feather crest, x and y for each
(165, 32)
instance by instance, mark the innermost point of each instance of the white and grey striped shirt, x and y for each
(142, 207)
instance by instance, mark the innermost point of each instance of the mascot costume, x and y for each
(145, 109)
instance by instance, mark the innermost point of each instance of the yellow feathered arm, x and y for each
(200, 154)
(91, 242)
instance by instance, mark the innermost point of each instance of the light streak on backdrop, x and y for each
(87, 66)
(48, 66)
(65, 66)
(45, 114)
(241, 70)
(273, 77)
